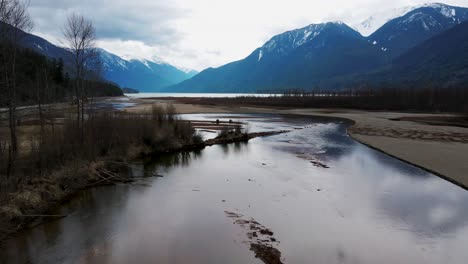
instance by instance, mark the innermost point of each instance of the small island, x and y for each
(130, 90)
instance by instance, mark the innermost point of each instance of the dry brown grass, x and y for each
(60, 159)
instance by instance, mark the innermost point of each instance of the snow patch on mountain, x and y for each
(144, 62)
(109, 60)
(374, 22)
(122, 64)
(187, 70)
(144, 59)
(157, 60)
(445, 10)
(284, 43)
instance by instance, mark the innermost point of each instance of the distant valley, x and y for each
(411, 46)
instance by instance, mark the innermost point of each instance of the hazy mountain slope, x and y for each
(143, 75)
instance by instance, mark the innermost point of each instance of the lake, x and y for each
(206, 95)
(325, 198)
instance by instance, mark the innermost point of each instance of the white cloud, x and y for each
(202, 33)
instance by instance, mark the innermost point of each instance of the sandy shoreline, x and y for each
(440, 149)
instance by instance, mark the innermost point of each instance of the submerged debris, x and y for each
(267, 254)
(313, 160)
(319, 164)
(261, 239)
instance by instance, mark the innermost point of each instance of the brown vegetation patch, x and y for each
(417, 134)
(59, 160)
(55, 161)
(457, 121)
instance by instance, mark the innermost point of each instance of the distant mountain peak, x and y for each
(416, 26)
(377, 20)
(333, 55)
(109, 60)
(374, 22)
(187, 70)
(336, 22)
(144, 59)
(286, 42)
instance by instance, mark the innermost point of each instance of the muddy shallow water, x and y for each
(324, 197)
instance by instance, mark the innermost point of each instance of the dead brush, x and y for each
(103, 134)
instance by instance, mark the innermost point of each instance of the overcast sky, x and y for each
(199, 33)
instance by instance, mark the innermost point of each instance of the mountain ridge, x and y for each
(416, 26)
(325, 54)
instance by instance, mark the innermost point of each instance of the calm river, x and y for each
(326, 198)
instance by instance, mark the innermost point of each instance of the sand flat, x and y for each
(446, 159)
(440, 149)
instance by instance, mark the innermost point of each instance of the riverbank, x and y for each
(227, 197)
(30, 205)
(439, 149)
(428, 141)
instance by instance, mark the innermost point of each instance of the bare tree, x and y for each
(14, 20)
(80, 38)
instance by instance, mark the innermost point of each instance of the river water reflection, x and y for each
(327, 198)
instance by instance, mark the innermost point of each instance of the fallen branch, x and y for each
(131, 166)
(242, 137)
(113, 175)
(59, 216)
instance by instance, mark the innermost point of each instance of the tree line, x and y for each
(28, 78)
(427, 98)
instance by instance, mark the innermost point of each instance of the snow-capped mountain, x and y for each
(330, 55)
(284, 44)
(377, 20)
(303, 57)
(416, 26)
(141, 74)
(442, 61)
(110, 61)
